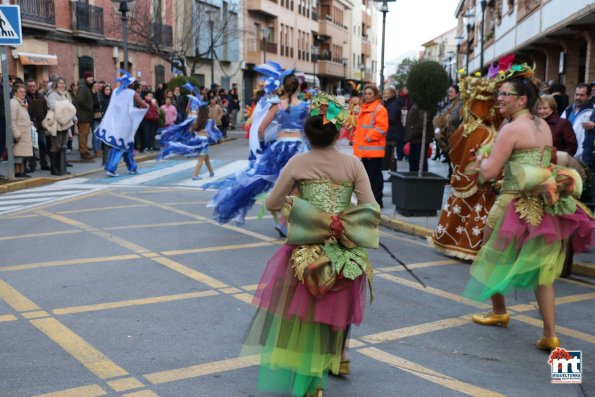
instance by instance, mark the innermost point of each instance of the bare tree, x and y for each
(189, 40)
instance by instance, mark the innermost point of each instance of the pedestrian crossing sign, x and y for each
(10, 25)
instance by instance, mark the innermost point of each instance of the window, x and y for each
(86, 64)
(159, 74)
(200, 79)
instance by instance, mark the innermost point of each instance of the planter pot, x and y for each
(417, 196)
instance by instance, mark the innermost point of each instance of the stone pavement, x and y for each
(417, 225)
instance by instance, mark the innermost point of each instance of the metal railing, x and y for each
(163, 34)
(41, 11)
(89, 18)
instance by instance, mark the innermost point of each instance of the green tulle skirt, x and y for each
(497, 270)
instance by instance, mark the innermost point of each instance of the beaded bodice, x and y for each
(327, 196)
(532, 156)
(292, 119)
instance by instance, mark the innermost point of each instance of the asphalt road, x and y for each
(127, 288)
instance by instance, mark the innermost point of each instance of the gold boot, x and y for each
(315, 393)
(492, 319)
(549, 344)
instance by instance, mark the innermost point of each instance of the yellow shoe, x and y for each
(344, 368)
(492, 319)
(315, 393)
(548, 344)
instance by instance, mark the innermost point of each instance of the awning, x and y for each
(37, 59)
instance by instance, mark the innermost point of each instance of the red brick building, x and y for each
(69, 37)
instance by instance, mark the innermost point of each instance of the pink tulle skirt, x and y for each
(279, 291)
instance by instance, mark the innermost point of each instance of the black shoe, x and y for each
(22, 175)
(30, 170)
(45, 168)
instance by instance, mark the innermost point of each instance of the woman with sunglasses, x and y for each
(529, 227)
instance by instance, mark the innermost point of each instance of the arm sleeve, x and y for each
(283, 187)
(14, 111)
(380, 125)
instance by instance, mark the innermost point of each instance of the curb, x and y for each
(40, 181)
(584, 269)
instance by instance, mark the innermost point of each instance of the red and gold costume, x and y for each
(460, 227)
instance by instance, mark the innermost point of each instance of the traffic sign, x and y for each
(10, 25)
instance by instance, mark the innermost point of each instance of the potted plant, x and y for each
(420, 193)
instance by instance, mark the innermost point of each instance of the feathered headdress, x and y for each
(274, 73)
(336, 112)
(192, 88)
(125, 80)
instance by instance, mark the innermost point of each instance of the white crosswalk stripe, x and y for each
(220, 173)
(30, 198)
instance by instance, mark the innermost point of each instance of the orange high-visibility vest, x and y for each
(369, 139)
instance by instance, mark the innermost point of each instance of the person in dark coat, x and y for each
(414, 132)
(38, 108)
(393, 107)
(406, 103)
(563, 135)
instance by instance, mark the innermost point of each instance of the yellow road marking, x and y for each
(426, 373)
(125, 384)
(230, 290)
(188, 272)
(412, 241)
(197, 217)
(418, 265)
(250, 288)
(577, 282)
(153, 225)
(7, 317)
(432, 290)
(414, 330)
(561, 330)
(244, 297)
(93, 359)
(35, 314)
(214, 249)
(195, 371)
(120, 241)
(142, 393)
(83, 391)
(559, 301)
(15, 299)
(133, 302)
(68, 262)
(115, 207)
(151, 255)
(33, 235)
(63, 219)
(21, 216)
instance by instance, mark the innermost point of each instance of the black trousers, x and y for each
(414, 152)
(373, 168)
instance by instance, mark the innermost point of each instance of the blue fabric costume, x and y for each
(237, 194)
(118, 126)
(179, 139)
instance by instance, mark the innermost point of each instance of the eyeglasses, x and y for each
(506, 94)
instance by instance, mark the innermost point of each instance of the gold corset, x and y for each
(532, 156)
(329, 197)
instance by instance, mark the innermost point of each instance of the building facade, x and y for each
(68, 37)
(442, 49)
(556, 35)
(326, 41)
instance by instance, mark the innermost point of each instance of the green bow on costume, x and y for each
(336, 113)
(330, 248)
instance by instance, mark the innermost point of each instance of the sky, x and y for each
(410, 23)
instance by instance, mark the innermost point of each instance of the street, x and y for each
(126, 287)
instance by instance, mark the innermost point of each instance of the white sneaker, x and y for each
(112, 174)
(134, 172)
(196, 178)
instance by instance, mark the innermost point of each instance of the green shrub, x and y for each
(427, 83)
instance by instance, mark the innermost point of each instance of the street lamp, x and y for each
(314, 59)
(344, 62)
(362, 70)
(484, 4)
(211, 14)
(459, 41)
(383, 8)
(265, 33)
(123, 9)
(450, 55)
(468, 19)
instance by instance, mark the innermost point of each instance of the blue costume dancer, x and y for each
(181, 139)
(122, 118)
(237, 194)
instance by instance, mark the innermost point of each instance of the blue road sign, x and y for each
(10, 25)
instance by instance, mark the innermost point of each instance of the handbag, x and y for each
(34, 137)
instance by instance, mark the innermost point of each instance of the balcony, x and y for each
(327, 28)
(329, 68)
(265, 8)
(162, 35)
(366, 48)
(268, 47)
(314, 15)
(38, 14)
(87, 20)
